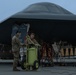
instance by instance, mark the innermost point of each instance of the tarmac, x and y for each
(6, 69)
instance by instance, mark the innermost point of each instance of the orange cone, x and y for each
(67, 52)
(75, 51)
(71, 52)
(62, 52)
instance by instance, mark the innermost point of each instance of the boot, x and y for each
(15, 66)
(15, 69)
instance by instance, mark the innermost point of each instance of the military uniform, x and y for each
(15, 49)
(34, 42)
(31, 41)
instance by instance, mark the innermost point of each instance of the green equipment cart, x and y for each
(30, 60)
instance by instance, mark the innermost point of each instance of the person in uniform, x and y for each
(56, 50)
(15, 49)
(31, 40)
(50, 55)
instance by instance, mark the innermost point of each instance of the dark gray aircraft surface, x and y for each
(49, 21)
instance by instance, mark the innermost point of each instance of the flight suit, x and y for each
(15, 49)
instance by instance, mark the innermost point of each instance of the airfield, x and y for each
(6, 69)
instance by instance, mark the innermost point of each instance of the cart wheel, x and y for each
(36, 65)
